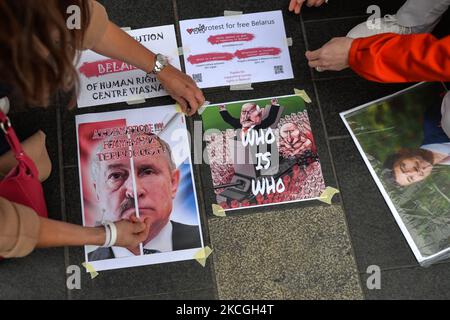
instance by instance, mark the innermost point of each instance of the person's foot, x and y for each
(387, 24)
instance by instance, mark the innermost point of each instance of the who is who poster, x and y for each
(262, 152)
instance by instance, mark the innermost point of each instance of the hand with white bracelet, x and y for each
(296, 5)
(128, 234)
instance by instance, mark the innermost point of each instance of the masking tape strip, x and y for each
(203, 107)
(126, 29)
(218, 211)
(229, 13)
(241, 87)
(178, 108)
(136, 100)
(202, 255)
(183, 51)
(289, 42)
(302, 94)
(90, 269)
(328, 194)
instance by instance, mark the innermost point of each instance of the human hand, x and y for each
(223, 108)
(182, 88)
(296, 5)
(332, 56)
(130, 234)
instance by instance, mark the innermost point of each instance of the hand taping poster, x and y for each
(105, 81)
(137, 163)
(262, 152)
(235, 50)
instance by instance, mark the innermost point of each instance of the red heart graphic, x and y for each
(190, 31)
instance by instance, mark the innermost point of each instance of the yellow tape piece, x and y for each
(202, 255)
(91, 270)
(328, 194)
(302, 94)
(178, 108)
(218, 211)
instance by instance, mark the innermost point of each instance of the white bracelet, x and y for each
(107, 235)
(113, 227)
(111, 234)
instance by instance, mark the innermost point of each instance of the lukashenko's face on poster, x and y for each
(156, 187)
(250, 115)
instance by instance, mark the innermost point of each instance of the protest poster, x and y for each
(262, 152)
(137, 163)
(402, 142)
(106, 81)
(236, 50)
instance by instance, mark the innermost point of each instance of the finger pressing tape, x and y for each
(178, 108)
(203, 107)
(202, 255)
(90, 269)
(328, 194)
(302, 94)
(218, 211)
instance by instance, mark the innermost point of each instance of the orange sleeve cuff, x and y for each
(352, 58)
(401, 58)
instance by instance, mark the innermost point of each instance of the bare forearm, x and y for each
(117, 44)
(58, 234)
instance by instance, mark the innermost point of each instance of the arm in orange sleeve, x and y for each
(401, 58)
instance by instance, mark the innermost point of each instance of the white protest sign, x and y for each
(229, 51)
(105, 81)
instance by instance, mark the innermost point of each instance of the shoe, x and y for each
(388, 24)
